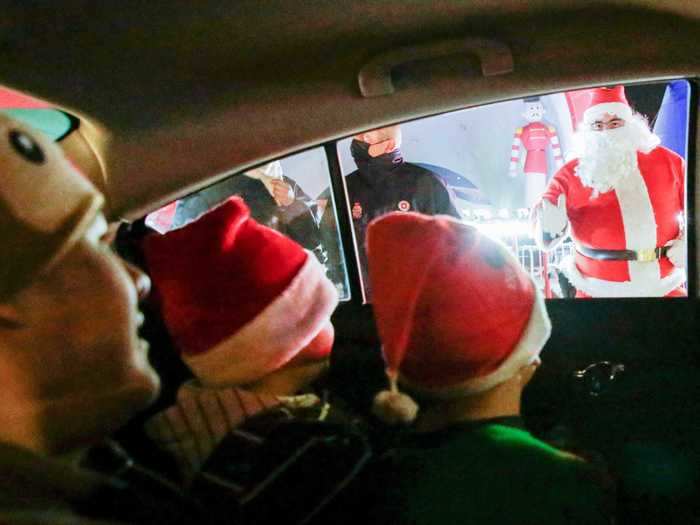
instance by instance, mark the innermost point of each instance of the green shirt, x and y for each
(482, 472)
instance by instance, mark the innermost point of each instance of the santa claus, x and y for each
(622, 200)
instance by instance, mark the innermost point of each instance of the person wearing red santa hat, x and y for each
(462, 326)
(623, 201)
(249, 311)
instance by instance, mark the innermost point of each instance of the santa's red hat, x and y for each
(239, 299)
(456, 313)
(611, 100)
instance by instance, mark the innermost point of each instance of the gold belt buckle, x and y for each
(646, 255)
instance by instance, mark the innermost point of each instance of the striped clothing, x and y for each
(191, 429)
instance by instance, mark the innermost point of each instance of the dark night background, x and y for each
(646, 99)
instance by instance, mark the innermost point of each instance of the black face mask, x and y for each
(374, 166)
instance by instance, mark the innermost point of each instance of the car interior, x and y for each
(166, 107)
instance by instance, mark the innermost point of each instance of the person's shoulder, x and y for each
(423, 175)
(567, 171)
(524, 444)
(662, 152)
(563, 472)
(352, 177)
(661, 156)
(416, 169)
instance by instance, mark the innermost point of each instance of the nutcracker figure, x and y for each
(533, 140)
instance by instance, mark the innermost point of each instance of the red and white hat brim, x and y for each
(597, 112)
(275, 336)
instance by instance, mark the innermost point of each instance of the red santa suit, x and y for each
(627, 227)
(641, 214)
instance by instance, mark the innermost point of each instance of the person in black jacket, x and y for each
(384, 182)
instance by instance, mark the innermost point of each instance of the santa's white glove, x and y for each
(678, 252)
(553, 218)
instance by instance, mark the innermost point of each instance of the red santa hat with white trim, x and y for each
(610, 100)
(456, 313)
(240, 300)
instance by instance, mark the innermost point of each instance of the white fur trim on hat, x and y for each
(275, 335)
(596, 112)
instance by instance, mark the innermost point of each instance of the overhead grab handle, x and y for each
(375, 76)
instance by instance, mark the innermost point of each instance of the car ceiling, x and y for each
(173, 95)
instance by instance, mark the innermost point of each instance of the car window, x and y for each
(290, 195)
(608, 184)
(36, 113)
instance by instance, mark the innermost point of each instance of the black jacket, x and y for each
(386, 183)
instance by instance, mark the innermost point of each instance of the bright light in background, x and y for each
(481, 214)
(503, 229)
(522, 213)
(503, 213)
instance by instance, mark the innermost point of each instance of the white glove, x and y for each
(553, 219)
(678, 252)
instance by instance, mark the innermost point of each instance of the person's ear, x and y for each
(529, 370)
(10, 317)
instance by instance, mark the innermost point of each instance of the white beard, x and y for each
(608, 157)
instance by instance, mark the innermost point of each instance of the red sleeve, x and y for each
(559, 184)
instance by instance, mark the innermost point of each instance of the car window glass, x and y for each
(290, 195)
(623, 229)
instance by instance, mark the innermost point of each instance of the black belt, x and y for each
(624, 255)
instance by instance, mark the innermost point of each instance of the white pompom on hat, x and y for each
(456, 313)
